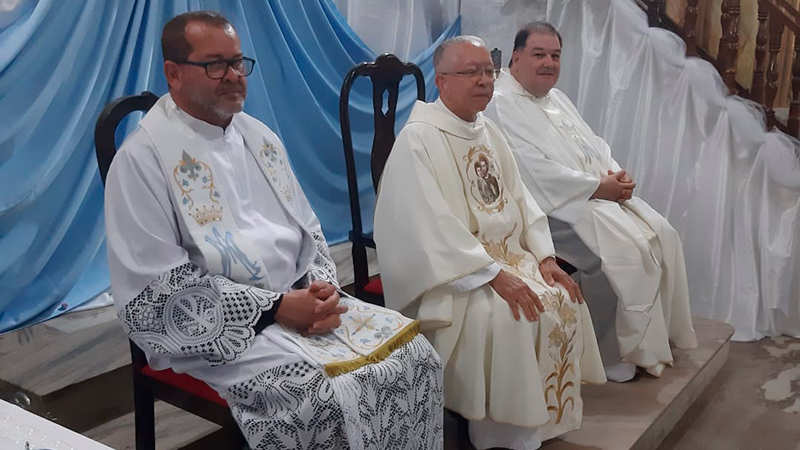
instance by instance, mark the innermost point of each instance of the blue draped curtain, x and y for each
(62, 62)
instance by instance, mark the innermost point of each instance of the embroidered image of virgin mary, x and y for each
(488, 186)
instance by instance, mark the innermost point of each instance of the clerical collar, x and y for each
(200, 127)
(507, 82)
(437, 115)
(440, 104)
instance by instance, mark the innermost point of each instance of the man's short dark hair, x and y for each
(174, 45)
(521, 39)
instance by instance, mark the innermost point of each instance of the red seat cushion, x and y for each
(185, 383)
(374, 286)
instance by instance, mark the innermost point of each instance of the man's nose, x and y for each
(231, 75)
(485, 78)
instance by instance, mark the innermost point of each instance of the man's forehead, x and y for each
(466, 54)
(208, 40)
(543, 41)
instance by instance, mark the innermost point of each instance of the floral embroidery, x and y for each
(516, 263)
(191, 173)
(278, 170)
(363, 322)
(560, 345)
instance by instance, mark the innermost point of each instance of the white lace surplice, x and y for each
(201, 323)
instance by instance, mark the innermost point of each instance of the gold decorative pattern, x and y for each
(207, 215)
(187, 173)
(499, 252)
(364, 319)
(560, 345)
(382, 352)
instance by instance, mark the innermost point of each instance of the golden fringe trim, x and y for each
(402, 338)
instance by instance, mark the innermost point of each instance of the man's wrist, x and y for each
(269, 316)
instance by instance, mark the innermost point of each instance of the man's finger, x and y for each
(527, 308)
(578, 291)
(339, 310)
(620, 175)
(537, 302)
(610, 172)
(325, 292)
(514, 309)
(324, 307)
(325, 325)
(317, 285)
(574, 292)
(548, 278)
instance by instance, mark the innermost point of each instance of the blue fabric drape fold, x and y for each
(62, 62)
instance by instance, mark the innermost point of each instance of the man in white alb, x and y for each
(464, 249)
(220, 270)
(630, 259)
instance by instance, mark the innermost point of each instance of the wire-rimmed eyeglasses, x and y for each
(475, 72)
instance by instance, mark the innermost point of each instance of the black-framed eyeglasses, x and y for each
(217, 69)
(475, 73)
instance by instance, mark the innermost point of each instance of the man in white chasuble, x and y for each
(630, 259)
(465, 249)
(220, 270)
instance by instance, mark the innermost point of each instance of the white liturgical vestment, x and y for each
(207, 228)
(562, 161)
(451, 204)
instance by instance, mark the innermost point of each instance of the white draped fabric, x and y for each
(402, 27)
(703, 159)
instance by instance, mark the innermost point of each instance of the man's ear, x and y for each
(441, 82)
(174, 73)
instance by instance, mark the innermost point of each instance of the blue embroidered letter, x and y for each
(229, 252)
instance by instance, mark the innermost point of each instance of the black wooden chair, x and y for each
(179, 390)
(385, 73)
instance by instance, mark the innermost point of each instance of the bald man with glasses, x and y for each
(464, 249)
(220, 270)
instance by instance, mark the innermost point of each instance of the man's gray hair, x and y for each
(438, 55)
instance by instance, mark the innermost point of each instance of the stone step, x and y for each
(74, 369)
(639, 414)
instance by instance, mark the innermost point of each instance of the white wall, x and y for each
(497, 21)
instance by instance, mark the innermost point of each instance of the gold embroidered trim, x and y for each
(400, 339)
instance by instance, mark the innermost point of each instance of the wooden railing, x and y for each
(778, 22)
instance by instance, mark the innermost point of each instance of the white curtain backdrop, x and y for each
(402, 27)
(497, 21)
(701, 158)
